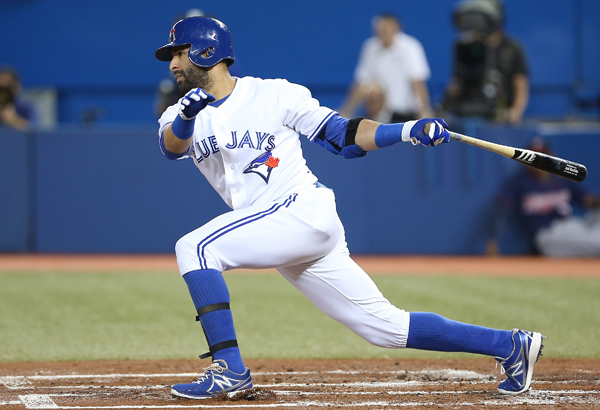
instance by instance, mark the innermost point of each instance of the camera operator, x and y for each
(13, 112)
(490, 69)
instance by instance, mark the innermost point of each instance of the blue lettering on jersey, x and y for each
(214, 146)
(233, 142)
(271, 145)
(204, 148)
(248, 141)
(261, 137)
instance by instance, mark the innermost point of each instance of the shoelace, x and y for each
(207, 370)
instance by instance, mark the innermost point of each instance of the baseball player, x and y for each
(243, 135)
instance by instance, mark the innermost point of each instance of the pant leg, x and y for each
(344, 292)
(299, 228)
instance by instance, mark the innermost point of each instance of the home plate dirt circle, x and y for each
(302, 384)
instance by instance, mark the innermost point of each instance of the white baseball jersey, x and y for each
(248, 147)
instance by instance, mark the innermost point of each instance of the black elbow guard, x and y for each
(351, 150)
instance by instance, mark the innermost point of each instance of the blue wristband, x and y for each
(183, 129)
(388, 134)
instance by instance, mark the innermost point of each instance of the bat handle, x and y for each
(427, 127)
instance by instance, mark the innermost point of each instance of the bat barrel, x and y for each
(557, 166)
(553, 165)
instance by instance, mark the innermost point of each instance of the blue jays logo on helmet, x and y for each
(263, 166)
(209, 41)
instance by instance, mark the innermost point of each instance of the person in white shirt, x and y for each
(390, 77)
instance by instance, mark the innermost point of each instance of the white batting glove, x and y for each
(194, 102)
(414, 131)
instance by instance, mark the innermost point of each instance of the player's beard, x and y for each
(195, 77)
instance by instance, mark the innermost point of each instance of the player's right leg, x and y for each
(517, 351)
(343, 291)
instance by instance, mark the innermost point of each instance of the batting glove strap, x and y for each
(406, 129)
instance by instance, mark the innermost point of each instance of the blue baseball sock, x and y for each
(207, 287)
(430, 331)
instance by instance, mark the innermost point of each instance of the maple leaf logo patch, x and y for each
(263, 166)
(272, 162)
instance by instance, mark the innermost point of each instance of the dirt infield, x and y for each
(305, 384)
(335, 384)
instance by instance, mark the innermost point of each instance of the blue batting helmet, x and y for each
(202, 34)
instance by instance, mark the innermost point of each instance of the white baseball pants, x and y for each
(302, 237)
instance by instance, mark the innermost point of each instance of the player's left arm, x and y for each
(355, 137)
(371, 135)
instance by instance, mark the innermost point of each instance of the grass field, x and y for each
(111, 315)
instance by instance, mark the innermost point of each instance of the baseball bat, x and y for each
(554, 165)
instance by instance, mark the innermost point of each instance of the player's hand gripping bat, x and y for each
(557, 166)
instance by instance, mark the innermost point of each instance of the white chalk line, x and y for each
(461, 374)
(44, 402)
(374, 385)
(39, 401)
(538, 397)
(425, 393)
(344, 393)
(25, 382)
(93, 386)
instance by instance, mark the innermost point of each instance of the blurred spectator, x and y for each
(544, 205)
(490, 77)
(14, 112)
(389, 80)
(168, 94)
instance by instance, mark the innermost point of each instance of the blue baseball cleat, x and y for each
(519, 365)
(216, 379)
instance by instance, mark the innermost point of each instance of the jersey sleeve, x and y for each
(165, 119)
(302, 112)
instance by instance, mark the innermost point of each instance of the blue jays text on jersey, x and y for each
(206, 147)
